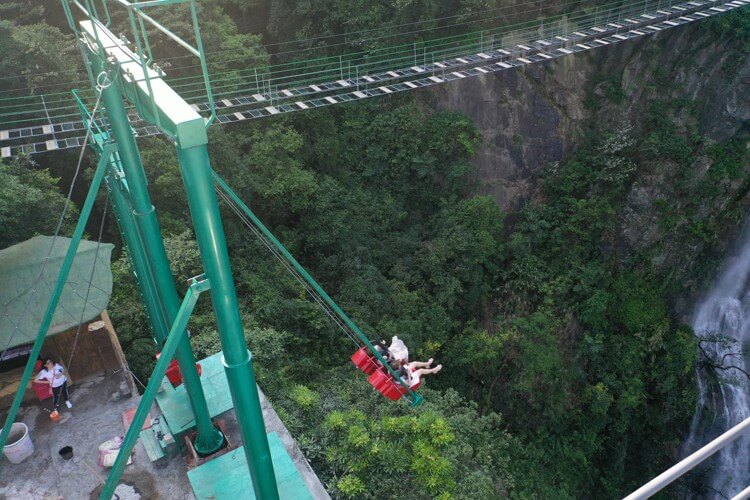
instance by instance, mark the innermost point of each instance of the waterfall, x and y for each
(722, 321)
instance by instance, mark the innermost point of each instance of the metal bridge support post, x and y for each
(209, 438)
(204, 208)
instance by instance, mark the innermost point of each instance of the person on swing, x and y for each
(410, 372)
(54, 375)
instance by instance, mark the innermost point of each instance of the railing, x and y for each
(675, 472)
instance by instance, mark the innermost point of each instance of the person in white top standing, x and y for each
(54, 375)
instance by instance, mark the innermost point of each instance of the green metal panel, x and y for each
(175, 404)
(226, 477)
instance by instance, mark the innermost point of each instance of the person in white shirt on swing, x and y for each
(54, 375)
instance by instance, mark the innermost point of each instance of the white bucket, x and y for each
(19, 446)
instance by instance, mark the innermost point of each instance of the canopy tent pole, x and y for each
(62, 278)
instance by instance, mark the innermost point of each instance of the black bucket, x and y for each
(66, 452)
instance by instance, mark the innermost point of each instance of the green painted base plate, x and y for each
(227, 477)
(175, 405)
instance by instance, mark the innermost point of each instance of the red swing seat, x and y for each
(388, 386)
(365, 361)
(379, 377)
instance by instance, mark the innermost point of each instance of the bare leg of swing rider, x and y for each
(421, 364)
(426, 371)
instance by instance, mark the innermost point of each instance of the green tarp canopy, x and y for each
(22, 308)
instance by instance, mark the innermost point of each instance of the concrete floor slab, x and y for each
(227, 477)
(93, 419)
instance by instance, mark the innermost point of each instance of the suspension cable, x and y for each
(90, 281)
(328, 311)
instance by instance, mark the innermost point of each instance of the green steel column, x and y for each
(204, 209)
(209, 439)
(132, 240)
(147, 400)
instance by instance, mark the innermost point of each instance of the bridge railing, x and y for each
(675, 472)
(267, 78)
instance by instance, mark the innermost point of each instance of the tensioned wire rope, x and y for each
(339, 320)
(90, 281)
(335, 59)
(275, 252)
(58, 229)
(330, 59)
(323, 37)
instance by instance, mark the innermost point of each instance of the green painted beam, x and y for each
(147, 90)
(204, 210)
(209, 439)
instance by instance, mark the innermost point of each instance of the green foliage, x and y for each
(550, 322)
(304, 397)
(30, 202)
(729, 160)
(583, 349)
(41, 55)
(365, 449)
(379, 23)
(733, 26)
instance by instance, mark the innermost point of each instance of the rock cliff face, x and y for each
(537, 115)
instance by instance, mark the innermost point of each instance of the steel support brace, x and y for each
(209, 439)
(62, 278)
(204, 209)
(175, 336)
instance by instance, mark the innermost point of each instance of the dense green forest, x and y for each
(567, 372)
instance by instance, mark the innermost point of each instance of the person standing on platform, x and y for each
(54, 375)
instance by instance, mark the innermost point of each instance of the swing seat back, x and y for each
(384, 383)
(363, 360)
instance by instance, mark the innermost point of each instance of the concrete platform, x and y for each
(226, 476)
(93, 419)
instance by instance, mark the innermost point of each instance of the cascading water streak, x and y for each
(722, 323)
